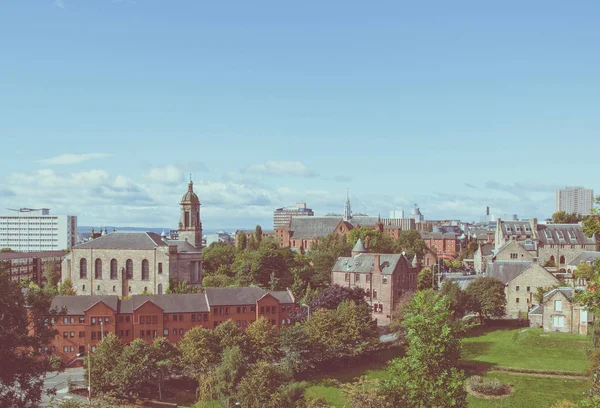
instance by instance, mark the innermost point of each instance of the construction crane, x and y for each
(26, 209)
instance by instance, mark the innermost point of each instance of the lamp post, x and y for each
(308, 308)
(89, 374)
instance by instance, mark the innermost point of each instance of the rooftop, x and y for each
(124, 240)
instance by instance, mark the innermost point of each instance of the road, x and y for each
(59, 381)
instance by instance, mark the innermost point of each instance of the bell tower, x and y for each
(190, 227)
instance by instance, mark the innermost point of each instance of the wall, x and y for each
(527, 283)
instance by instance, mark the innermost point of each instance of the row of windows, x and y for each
(384, 278)
(114, 288)
(114, 269)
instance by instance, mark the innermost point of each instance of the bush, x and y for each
(489, 387)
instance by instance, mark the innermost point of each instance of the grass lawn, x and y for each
(527, 348)
(533, 392)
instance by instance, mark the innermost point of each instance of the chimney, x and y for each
(533, 223)
(376, 263)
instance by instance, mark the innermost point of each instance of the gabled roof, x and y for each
(359, 247)
(77, 305)
(283, 296)
(233, 296)
(506, 270)
(567, 292)
(365, 262)
(313, 227)
(439, 235)
(537, 310)
(585, 256)
(125, 240)
(516, 228)
(172, 303)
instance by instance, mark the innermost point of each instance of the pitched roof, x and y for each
(506, 270)
(563, 234)
(516, 228)
(5, 256)
(439, 235)
(125, 240)
(313, 227)
(77, 305)
(172, 303)
(585, 256)
(283, 296)
(463, 281)
(566, 291)
(359, 247)
(537, 310)
(233, 296)
(365, 262)
(363, 221)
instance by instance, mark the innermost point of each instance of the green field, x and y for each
(528, 349)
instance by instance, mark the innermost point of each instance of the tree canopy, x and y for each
(561, 217)
(486, 298)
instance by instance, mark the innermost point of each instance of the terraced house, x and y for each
(89, 318)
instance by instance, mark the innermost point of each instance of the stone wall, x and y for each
(521, 290)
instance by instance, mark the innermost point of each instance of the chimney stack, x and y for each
(376, 263)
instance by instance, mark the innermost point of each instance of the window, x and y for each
(262, 310)
(65, 334)
(83, 268)
(174, 332)
(160, 267)
(347, 277)
(194, 317)
(181, 332)
(98, 288)
(558, 321)
(98, 269)
(65, 320)
(66, 349)
(528, 288)
(174, 318)
(154, 319)
(244, 309)
(72, 349)
(72, 334)
(129, 270)
(93, 349)
(93, 321)
(226, 310)
(368, 278)
(282, 321)
(517, 300)
(160, 289)
(93, 335)
(385, 280)
(206, 317)
(558, 305)
(148, 333)
(514, 255)
(114, 288)
(81, 319)
(357, 277)
(253, 308)
(517, 288)
(141, 334)
(374, 294)
(127, 333)
(114, 269)
(145, 270)
(181, 316)
(154, 334)
(239, 310)
(129, 289)
(83, 288)
(165, 332)
(127, 319)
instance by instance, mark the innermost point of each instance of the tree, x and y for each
(218, 257)
(217, 281)
(252, 245)
(164, 362)
(65, 288)
(468, 252)
(296, 348)
(324, 253)
(229, 335)
(260, 387)
(200, 351)
(457, 298)
(561, 217)
(591, 224)
(486, 298)
(264, 341)
(242, 242)
(104, 363)
(181, 287)
(424, 280)
(538, 296)
(410, 241)
(428, 376)
(25, 331)
(229, 373)
(375, 240)
(334, 295)
(134, 368)
(51, 277)
(258, 234)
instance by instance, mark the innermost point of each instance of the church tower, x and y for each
(190, 227)
(347, 210)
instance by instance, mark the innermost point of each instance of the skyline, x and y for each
(455, 107)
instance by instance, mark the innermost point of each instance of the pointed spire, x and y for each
(415, 261)
(347, 210)
(359, 248)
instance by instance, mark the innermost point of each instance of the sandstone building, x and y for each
(130, 263)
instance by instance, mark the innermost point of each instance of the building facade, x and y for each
(575, 200)
(560, 313)
(283, 216)
(445, 245)
(89, 318)
(132, 263)
(33, 230)
(521, 289)
(31, 265)
(384, 277)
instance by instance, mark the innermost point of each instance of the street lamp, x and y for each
(308, 308)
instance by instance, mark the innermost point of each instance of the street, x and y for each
(59, 381)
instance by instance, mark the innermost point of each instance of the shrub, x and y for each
(489, 387)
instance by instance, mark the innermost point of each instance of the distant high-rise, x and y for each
(575, 200)
(283, 216)
(397, 214)
(34, 230)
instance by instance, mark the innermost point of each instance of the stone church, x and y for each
(132, 263)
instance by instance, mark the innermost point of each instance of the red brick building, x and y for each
(89, 318)
(30, 265)
(445, 245)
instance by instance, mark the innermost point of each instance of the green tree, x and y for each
(468, 252)
(229, 335)
(51, 277)
(428, 376)
(424, 280)
(65, 288)
(133, 369)
(376, 241)
(242, 242)
(456, 296)
(323, 255)
(229, 373)
(218, 257)
(561, 217)
(200, 351)
(591, 224)
(103, 367)
(411, 242)
(261, 386)
(258, 234)
(263, 340)
(296, 348)
(538, 296)
(181, 287)
(164, 361)
(252, 245)
(22, 366)
(217, 281)
(486, 298)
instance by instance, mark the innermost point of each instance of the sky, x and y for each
(107, 106)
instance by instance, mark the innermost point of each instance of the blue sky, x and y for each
(106, 106)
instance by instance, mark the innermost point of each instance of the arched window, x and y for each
(552, 259)
(98, 269)
(145, 270)
(83, 288)
(129, 269)
(83, 268)
(562, 260)
(160, 289)
(114, 288)
(114, 274)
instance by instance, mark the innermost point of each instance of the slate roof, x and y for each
(506, 270)
(516, 228)
(565, 290)
(233, 296)
(486, 249)
(359, 247)
(125, 240)
(585, 256)
(537, 310)
(6, 256)
(563, 234)
(439, 235)
(183, 246)
(172, 303)
(364, 263)
(77, 305)
(283, 296)
(461, 280)
(313, 227)
(363, 221)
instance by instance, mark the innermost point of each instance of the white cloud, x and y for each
(59, 3)
(281, 168)
(69, 158)
(165, 175)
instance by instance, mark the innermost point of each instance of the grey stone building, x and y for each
(131, 263)
(560, 313)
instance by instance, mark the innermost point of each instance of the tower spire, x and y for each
(347, 210)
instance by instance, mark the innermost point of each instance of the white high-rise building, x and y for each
(575, 200)
(397, 214)
(32, 230)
